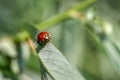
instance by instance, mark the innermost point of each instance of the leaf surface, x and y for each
(56, 64)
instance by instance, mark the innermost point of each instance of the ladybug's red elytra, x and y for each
(43, 38)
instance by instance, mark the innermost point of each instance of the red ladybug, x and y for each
(43, 38)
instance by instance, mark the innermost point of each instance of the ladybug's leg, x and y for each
(38, 41)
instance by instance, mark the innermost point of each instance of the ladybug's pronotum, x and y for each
(43, 38)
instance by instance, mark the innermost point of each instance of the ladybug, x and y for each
(43, 38)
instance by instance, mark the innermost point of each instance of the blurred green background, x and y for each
(89, 39)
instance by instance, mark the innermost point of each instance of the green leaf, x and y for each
(56, 64)
(113, 55)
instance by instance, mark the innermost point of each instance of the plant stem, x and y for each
(60, 17)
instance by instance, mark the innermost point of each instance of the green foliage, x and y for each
(85, 31)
